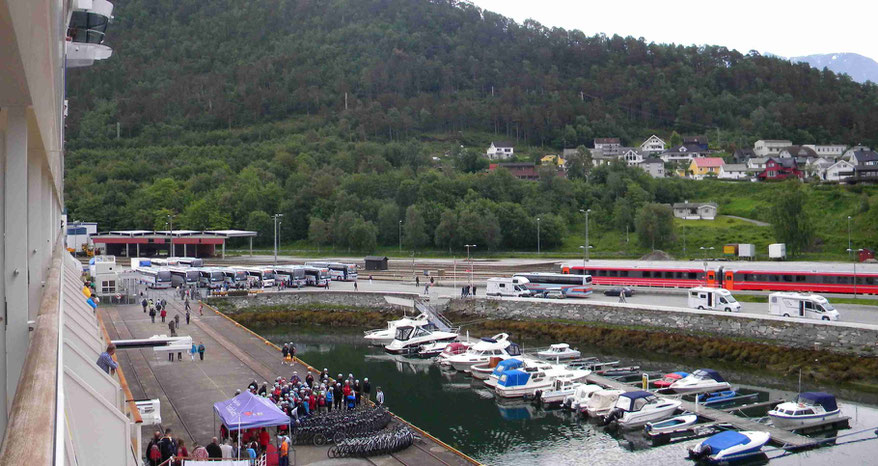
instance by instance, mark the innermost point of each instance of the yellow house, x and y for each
(702, 166)
(553, 160)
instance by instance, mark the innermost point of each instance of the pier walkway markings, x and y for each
(234, 357)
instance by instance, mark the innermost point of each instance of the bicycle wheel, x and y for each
(339, 437)
(319, 439)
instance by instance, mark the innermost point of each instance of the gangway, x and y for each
(433, 315)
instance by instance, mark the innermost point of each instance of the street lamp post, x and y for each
(584, 253)
(171, 233)
(399, 235)
(704, 249)
(538, 236)
(587, 246)
(850, 247)
(276, 217)
(856, 259)
(470, 260)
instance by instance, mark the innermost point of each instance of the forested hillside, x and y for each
(351, 116)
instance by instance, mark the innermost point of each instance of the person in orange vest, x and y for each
(283, 453)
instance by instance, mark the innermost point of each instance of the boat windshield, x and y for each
(403, 333)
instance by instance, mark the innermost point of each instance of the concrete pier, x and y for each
(234, 357)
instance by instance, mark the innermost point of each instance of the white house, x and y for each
(799, 152)
(603, 144)
(684, 152)
(654, 166)
(768, 147)
(839, 171)
(827, 150)
(757, 163)
(632, 157)
(500, 151)
(734, 171)
(850, 152)
(652, 145)
(695, 210)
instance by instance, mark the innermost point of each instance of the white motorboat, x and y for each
(730, 445)
(561, 389)
(409, 338)
(579, 399)
(530, 378)
(482, 351)
(700, 381)
(634, 409)
(383, 336)
(809, 408)
(559, 351)
(448, 349)
(681, 423)
(602, 402)
(507, 365)
(484, 370)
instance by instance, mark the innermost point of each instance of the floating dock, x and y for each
(234, 357)
(781, 437)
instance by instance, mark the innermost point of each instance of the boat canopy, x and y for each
(709, 373)
(456, 347)
(507, 364)
(681, 373)
(822, 398)
(725, 440)
(513, 349)
(628, 401)
(513, 378)
(489, 340)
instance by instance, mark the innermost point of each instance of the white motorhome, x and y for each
(502, 286)
(715, 299)
(808, 306)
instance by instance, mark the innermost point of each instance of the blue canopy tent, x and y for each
(248, 411)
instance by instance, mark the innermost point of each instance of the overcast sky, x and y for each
(781, 27)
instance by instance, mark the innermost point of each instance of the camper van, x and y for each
(514, 286)
(714, 299)
(808, 306)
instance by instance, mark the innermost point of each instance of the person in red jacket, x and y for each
(264, 440)
(164, 314)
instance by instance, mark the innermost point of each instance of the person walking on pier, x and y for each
(622, 297)
(177, 321)
(201, 309)
(186, 304)
(152, 314)
(417, 281)
(144, 304)
(201, 351)
(379, 397)
(193, 350)
(172, 326)
(367, 389)
(187, 316)
(283, 457)
(355, 286)
(285, 351)
(164, 314)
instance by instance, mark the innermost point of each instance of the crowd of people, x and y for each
(166, 449)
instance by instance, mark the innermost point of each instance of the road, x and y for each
(671, 298)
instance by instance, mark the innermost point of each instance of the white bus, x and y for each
(573, 286)
(337, 270)
(189, 262)
(317, 276)
(184, 276)
(263, 274)
(235, 277)
(154, 277)
(211, 277)
(293, 275)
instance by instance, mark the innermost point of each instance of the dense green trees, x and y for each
(655, 225)
(791, 223)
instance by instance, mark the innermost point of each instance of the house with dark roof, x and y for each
(522, 171)
(602, 144)
(864, 157)
(777, 168)
(700, 141)
(742, 155)
(500, 150)
(799, 152)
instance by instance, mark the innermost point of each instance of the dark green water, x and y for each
(465, 415)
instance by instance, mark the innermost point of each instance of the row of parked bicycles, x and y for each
(385, 442)
(336, 426)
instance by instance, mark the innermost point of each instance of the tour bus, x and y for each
(292, 274)
(235, 278)
(189, 262)
(211, 277)
(503, 286)
(316, 276)
(155, 277)
(184, 276)
(264, 274)
(716, 299)
(573, 286)
(337, 270)
(808, 306)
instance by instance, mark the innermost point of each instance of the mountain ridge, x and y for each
(859, 67)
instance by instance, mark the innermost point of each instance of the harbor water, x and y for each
(460, 411)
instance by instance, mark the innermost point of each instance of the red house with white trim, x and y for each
(781, 169)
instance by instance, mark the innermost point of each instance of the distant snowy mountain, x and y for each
(858, 67)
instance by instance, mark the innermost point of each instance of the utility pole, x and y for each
(850, 247)
(171, 233)
(856, 259)
(276, 217)
(704, 249)
(470, 260)
(399, 234)
(538, 236)
(587, 246)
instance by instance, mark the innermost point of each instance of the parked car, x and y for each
(554, 294)
(616, 291)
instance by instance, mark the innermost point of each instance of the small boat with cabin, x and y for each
(410, 338)
(810, 408)
(634, 409)
(450, 349)
(714, 398)
(383, 336)
(677, 424)
(482, 351)
(483, 371)
(729, 445)
(530, 378)
(700, 381)
(559, 351)
(668, 379)
(557, 393)
(578, 400)
(602, 402)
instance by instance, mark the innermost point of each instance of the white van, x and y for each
(809, 306)
(715, 299)
(513, 286)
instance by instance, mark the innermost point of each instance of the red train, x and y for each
(730, 278)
